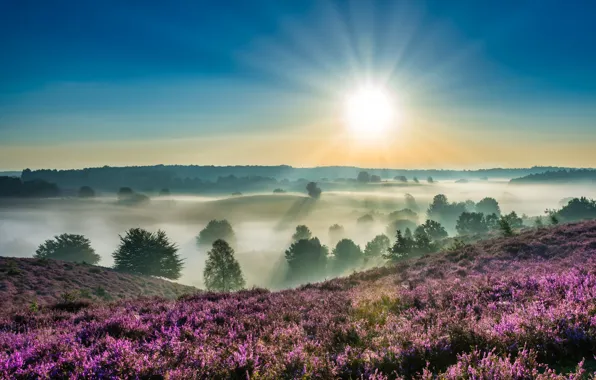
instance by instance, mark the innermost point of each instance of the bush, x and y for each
(152, 254)
(222, 271)
(68, 247)
(470, 223)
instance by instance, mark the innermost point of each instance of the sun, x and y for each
(370, 112)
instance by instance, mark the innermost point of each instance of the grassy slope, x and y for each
(24, 280)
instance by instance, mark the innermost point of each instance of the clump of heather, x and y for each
(517, 308)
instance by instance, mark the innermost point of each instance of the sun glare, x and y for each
(370, 112)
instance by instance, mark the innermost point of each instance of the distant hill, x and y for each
(243, 178)
(25, 280)
(558, 176)
(10, 174)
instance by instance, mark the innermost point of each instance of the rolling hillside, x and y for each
(24, 281)
(508, 308)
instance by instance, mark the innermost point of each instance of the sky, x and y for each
(475, 83)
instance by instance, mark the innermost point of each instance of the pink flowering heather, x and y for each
(516, 308)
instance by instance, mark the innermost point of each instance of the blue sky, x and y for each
(196, 82)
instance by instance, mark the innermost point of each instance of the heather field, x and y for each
(507, 308)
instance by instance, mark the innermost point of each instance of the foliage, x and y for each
(307, 259)
(222, 271)
(86, 192)
(377, 247)
(538, 223)
(400, 178)
(488, 206)
(403, 246)
(302, 232)
(401, 225)
(216, 230)
(363, 177)
(68, 247)
(470, 223)
(505, 226)
(415, 179)
(514, 221)
(492, 221)
(444, 212)
(313, 190)
(375, 178)
(347, 255)
(578, 209)
(430, 180)
(278, 191)
(15, 187)
(152, 254)
(422, 241)
(434, 230)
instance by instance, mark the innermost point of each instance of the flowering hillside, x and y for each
(516, 308)
(26, 281)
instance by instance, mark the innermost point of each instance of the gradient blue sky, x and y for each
(481, 83)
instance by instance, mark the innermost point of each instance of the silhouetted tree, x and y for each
(152, 254)
(336, 233)
(430, 180)
(215, 230)
(222, 271)
(492, 221)
(377, 247)
(415, 179)
(307, 259)
(302, 232)
(125, 193)
(402, 247)
(422, 241)
(538, 223)
(488, 206)
(86, 192)
(400, 178)
(444, 212)
(347, 255)
(469, 205)
(278, 191)
(68, 247)
(363, 177)
(578, 209)
(313, 190)
(514, 221)
(375, 178)
(434, 230)
(471, 223)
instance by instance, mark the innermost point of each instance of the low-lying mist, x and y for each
(263, 223)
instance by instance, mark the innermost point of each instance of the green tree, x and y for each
(538, 223)
(422, 241)
(514, 221)
(402, 247)
(302, 232)
(222, 271)
(377, 247)
(492, 221)
(505, 227)
(363, 177)
(152, 254)
(488, 206)
(216, 230)
(434, 230)
(307, 260)
(430, 180)
(68, 247)
(347, 255)
(470, 223)
(313, 190)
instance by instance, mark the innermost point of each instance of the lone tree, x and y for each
(313, 190)
(347, 255)
(411, 202)
(68, 247)
(505, 227)
(86, 192)
(377, 247)
(152, 254)
(222, 271)
(307, 259)
(363, 177)
(402, 247)
(302, 232)
(215, 230)
(125, 193)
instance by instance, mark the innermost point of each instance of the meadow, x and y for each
(510, 308)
